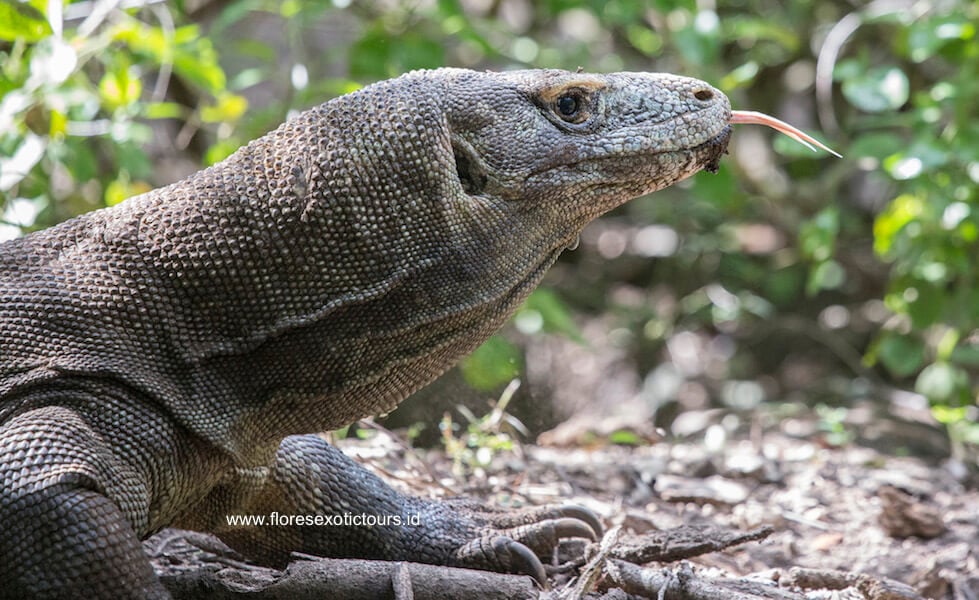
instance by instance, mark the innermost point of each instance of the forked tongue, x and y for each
(757, 118)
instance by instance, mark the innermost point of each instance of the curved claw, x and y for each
(522, 559)
(581, 513)
(569, 527)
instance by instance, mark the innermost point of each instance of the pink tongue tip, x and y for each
(757, 118)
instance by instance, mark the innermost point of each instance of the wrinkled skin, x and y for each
(162, 360)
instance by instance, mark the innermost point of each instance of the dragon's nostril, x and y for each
(703, 94)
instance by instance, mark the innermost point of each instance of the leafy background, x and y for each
(790, 278)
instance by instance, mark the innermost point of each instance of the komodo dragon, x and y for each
(163, 361)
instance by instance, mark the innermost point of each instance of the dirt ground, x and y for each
(848, 508)
(826, 504)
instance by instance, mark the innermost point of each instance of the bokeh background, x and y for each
(841, 293)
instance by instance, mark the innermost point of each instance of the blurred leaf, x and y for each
(926, 36)
(625, 437)
(23, 20)
(247, 78)
(618, 12)
(120, 88)
(289, 8)
(163, 110)
(740, 76)
(121, 188)
(946, 344)
(420, 52)
(967, 356)
(131, 158)
(901, 354)
(878, 144)
(878, 89)
(255, 49)
(817, 236)
(377, 54)
(76, 154)
(827, 275)
(926, 304)
(457, 24)
(191, 54)
(923, 156)
(784, 286)
(221, 150)
(753, 29)
(644, 39)
(942, 382)
(903, 210)
(715, 188)
(370, 55)
(696, 48)
(228, 109)
(848, 68)
(58, 124)
(493, 364)
(208, 75)
(554, 313)
(949, 414)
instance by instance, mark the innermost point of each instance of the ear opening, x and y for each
(468, 170)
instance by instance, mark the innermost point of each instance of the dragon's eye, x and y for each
(572, 104)
(567, 106)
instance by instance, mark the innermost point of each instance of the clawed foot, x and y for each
(512, 542)
(456, 532)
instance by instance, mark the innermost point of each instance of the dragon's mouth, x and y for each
(712, 150)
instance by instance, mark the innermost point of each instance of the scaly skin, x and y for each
(155, 356)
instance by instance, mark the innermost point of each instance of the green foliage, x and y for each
(498, 360)
(833, 426)
(23, 20)
(624, 437)
(926, 140)
(545, 311)
(484, 437)
(76, 100)
(884, 240)
(817, 243)
(494, 363)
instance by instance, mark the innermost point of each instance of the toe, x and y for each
(580, 513)
(574, 528)
(521, 559)
(502, 554)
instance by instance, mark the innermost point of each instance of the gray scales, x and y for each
(163, 361)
